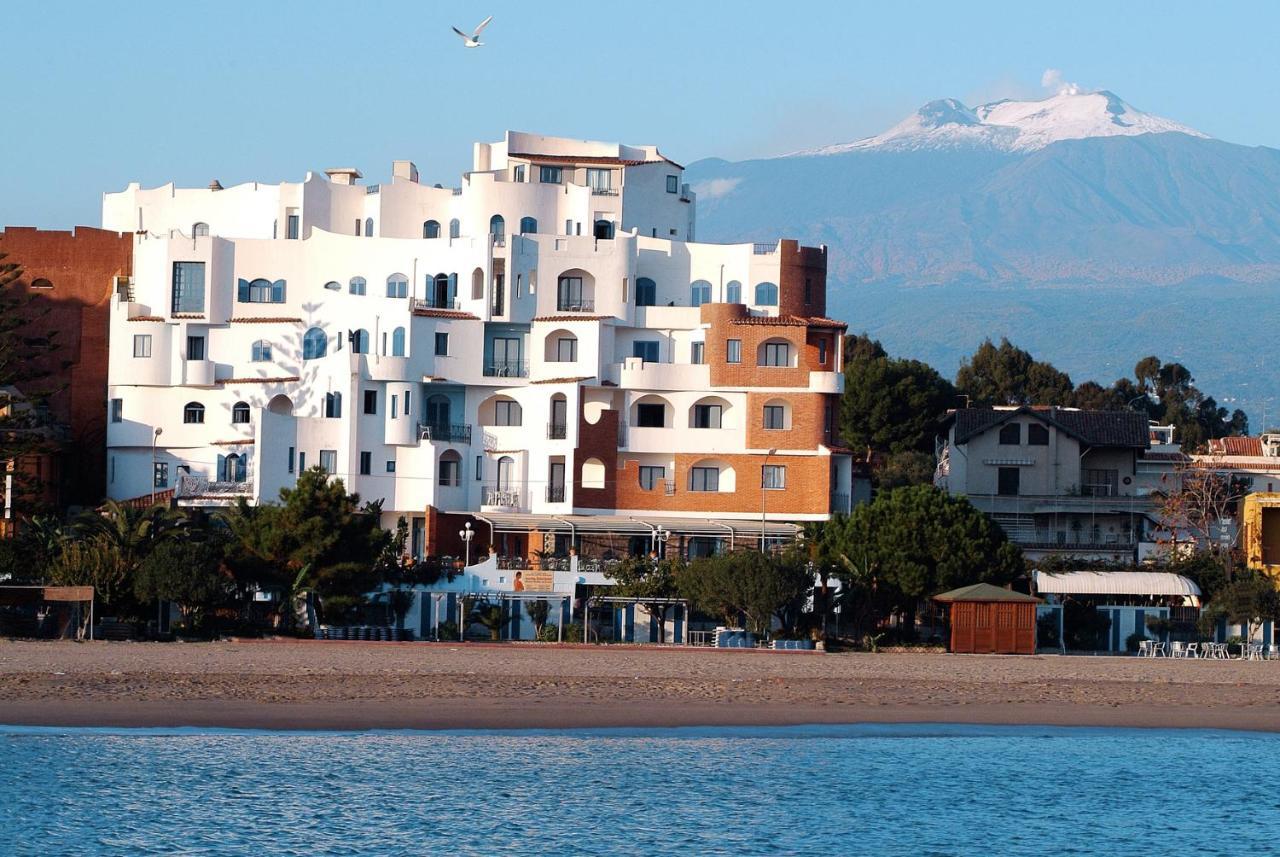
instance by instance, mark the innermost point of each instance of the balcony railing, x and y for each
(507, 369)
(764, 249)
(499, 240)
(198, 486)
(575, 305)
(436, 303)
(669, 486)
(555, 493)
(501, 497)
(556, 431)
(604, 191)
(445, 433)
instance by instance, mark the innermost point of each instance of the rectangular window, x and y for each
(733, 351)
(704, 479)
(506, 413)
(567, 349)
(290, 462)
(775, 417)
(329, 461)
(707, 416)
(773, 477)
(777, 354)
(651, 416)
(646, 292)
(302, 462)
(698, 353)
(646, 350)
(395, 407)
(517, 173)
(651, 477)
(370, 401)
(479, 467)
(142, 345)
(195, 347)
(1100, 483)
(1008, 480)
(450, 473)
(808, 290)
(822, 352)
(117, 410)
(291, 227)
(442, 345)
(391, 467)
(569, 297)
(407, 407)
(1011, 434)
(333, 405)
(673, 184)
(599, 180)
(160, 475)
(1037, 435)
(366, 463)
(188, 287)
(550, 175)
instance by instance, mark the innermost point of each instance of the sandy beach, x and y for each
(314, 685)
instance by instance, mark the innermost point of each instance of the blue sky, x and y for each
(100, 94)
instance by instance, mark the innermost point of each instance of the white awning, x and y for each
(511, 522)
(1115, 583)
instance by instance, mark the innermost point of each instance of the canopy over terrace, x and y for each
(736, 532)
(12, 595)
(1148, 584)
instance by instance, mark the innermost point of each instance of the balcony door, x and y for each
(506, 355)
(506, 473)
(438, 411)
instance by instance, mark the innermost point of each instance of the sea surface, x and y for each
(929, 790)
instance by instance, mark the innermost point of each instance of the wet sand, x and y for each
(331, 685)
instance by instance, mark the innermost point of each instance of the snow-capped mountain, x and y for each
(1015, 126)
(1076, 225)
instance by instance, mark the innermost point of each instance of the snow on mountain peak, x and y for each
(1015, 126)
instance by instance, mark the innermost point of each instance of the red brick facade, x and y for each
(80, 268)
(807, 492)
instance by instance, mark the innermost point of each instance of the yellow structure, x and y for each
(1262, 532)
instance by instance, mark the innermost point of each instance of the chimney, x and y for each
(215, 185)
(404, 170)
(343, 175)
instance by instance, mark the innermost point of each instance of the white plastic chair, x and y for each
(1145, 649)
(1159, 650)
(1192, 650)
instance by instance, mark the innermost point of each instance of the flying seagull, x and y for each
(473, 40)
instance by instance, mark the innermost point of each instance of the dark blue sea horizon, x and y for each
(861, 789)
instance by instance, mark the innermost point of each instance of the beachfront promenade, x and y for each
(303, 684)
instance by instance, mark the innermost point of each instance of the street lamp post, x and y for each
(467, 534)
(155, 436)
(659, 538)
(764, 496)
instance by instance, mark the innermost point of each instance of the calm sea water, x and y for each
(842, 790)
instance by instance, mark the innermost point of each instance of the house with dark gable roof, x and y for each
(1059, 481)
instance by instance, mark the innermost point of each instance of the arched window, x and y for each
(603, 229)
(431, 229)
(733, 292)
(199, 230)
(240, 413)
(498, 227)
(593, 473)
(455, 228)
(260, 292)
(368, 227)
(193, 413)
(450, 469)
(314, 344)
(41, 283)
(500, 411)
(699, 293)
(528, 226)
(710, 412)
(397, 286)
(261, 351)
(333, 286)
(397, 342)
(561, 346)
(233, 468)
(766, 294)
(506, 473)
(775, 352)
(646, 292)
(710, 474)
(360, 341)
(357, 285)
(650, 412)
(777, 415)
(477, 284)
(438, 408)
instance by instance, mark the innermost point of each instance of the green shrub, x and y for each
(573, 632)
(448, 631)
(1134, 640)
(550, 633)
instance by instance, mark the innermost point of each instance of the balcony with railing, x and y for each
(571, 303)
(557, 431)
(507, 498)
(555, 493)
(604, 191)
(499, 239)
(445, 432)
(190, 487)
(436, 302)
(764, 249)
(506, 369)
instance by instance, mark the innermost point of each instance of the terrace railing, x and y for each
(507, 369)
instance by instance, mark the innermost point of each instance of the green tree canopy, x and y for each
(188, 573)
(748, 583)
(1007, 375)
(651, 582)
(910, 543)
(889, 404)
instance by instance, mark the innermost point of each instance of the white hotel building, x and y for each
(543, 351)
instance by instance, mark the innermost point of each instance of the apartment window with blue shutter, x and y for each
(260, 291)
(188, 287)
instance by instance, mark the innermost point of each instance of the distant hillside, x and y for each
(1078, 222)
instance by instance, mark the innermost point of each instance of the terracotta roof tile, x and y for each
(188, 315)
(147, 318)
(789, 321)
(1247, 446)
(265, 320)
(575, 317)
(285, 380)
(446, 313)
(243, 441)
(562, 380)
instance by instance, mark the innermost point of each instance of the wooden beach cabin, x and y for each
(986, 619)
